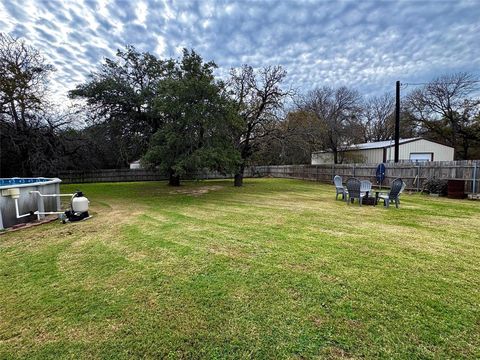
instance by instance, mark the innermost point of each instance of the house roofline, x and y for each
(383, 147)
(413, 140)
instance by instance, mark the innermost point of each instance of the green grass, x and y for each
(276, 269)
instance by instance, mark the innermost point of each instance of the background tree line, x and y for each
(178, 117)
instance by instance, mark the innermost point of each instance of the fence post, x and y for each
(418, 178)
(474, 184)
(353, 169)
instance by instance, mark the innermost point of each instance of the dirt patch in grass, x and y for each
(318, 321)
(232, 252)
(105, 227)
(197, 191)
(334, 352)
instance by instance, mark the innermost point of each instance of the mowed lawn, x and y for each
(276, 269)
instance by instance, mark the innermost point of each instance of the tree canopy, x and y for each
(27, 132)
(179, 118)
(338, 114)
(121, 94)
(198, 122)
(259, 97)
(447, 110)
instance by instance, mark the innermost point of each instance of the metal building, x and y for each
(413, 149)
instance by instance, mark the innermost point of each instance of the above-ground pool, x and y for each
(27, 202)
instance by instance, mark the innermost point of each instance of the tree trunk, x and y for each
(238, 179)
(465, 146)
(18, 124)
(173, 180)
(335, 156)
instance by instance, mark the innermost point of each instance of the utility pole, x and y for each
(397, 120)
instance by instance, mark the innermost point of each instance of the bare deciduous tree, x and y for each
(23, 80)
(446, 110)
(259, 97)
(338, 111)
(23, 85)
(379, 118)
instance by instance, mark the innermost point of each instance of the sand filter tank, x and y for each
(79, 207)
(22, 199)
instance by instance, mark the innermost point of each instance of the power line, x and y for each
(443, 83)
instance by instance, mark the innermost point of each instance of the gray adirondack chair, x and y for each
(365, 187)
(340, 189)
(394, 194)
(353, 188)
(404, 185)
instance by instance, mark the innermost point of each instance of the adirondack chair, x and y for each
(404, 185)
(353, 188)
(337, 180)
(365, 187)
(394, 194)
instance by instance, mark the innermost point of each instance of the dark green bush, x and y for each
(436, 186)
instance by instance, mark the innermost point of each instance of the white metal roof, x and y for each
(381, 144)
(374, 145)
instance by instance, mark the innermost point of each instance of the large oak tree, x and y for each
(199, 120)
(120, 96)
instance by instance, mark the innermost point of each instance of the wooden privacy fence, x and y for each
(109, 175)
(126, 175)
(414, 174)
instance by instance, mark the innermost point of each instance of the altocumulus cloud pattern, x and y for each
(364, 44)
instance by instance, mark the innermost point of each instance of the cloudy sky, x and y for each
(363, 44)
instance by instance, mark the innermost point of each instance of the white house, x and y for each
(413, 149)
(135, 164)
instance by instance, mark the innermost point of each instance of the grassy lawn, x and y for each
(276, 269)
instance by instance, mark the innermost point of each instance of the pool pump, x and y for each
(78, 208)
(25, 192)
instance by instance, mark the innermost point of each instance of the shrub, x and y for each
(436, 186)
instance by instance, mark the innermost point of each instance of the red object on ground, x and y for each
(456, 189)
